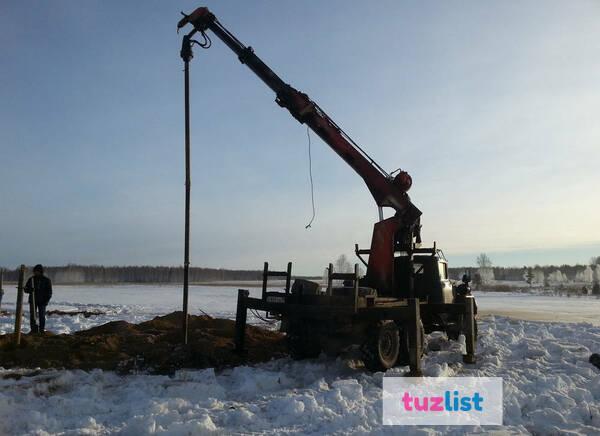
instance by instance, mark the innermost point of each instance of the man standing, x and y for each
(39, 288)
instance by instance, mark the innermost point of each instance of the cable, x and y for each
(312, 188)
(206, 43)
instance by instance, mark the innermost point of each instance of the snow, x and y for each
(549, 386)
(136, 303)
(540, 307)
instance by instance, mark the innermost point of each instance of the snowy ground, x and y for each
(132, 303)
(135, 303)
(540, 307)
(549, 387)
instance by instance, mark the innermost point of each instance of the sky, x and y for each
(492, 107)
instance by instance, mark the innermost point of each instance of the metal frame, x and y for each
(266, 274)
(359, 309)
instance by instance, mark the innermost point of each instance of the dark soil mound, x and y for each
(154, 346)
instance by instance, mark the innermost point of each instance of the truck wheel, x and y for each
(302, 347)
(381, 349)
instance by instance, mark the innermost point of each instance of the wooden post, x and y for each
(355, 287)
(1, 289)
(329, 279)
(240, 321)
(414, 338)
(265, 278)
(469, 326)
(19, 308)
(288, 278)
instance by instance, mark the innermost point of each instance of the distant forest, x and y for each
(570, 272)
(73, 274)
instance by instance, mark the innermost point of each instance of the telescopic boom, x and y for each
(387, 191)
(398, 232)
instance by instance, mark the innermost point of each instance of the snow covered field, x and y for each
(549, 387)
(540, 307)
(132, 303)
(136, 303)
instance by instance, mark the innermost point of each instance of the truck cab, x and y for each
(429, 274)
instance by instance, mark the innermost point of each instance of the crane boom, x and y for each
(387, 191)
(395, 233)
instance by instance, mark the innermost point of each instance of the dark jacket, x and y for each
(43, 289)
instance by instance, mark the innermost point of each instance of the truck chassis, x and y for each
(350, 319)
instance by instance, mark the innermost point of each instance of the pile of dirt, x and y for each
(154, 346)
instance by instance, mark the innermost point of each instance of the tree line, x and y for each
(519, 273)
(73, 274)
(537, 273)
(167, 274)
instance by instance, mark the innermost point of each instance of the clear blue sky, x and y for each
(491, 106)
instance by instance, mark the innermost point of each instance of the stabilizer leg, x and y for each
(469, 323)
(415, 345)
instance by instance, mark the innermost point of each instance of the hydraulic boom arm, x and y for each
(397, 232)
(387, 191)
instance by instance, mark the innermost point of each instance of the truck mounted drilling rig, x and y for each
(405, 292)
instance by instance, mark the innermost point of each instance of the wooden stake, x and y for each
(265, 278)
(19, 308)
(288, 278)
(240, 320)
(329, 279)
(1, 289)
(355, 287)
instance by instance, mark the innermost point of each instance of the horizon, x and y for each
(313, 274)
(498, 132)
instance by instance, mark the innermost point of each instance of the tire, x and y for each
(382, 347)
(302, 347)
